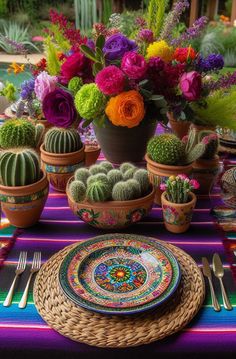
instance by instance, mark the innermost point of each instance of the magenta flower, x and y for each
(110, 80)
(191, 85)
(194, 183)
(182, 176)
(145, 35)
(163, 186)
(134, 65)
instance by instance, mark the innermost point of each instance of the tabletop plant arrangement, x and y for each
(178, 202)
(110, 198)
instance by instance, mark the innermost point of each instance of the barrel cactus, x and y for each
(141, 176)
(129, 173)
(99, 176)
(122, 191)
(94, 169)
(39, 133)
(82, 174)
(77, 191)
(106, 165)
(19, 167)
(17, 133)
(98, 191)
(62, 140)
(166, 149)
(135, 187)
(126, 166)
(114, 176)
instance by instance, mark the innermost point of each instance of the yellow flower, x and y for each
(172, 178)
(17, 69)
(160, 49)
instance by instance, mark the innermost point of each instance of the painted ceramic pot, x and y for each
(206, 172)
(112, 214)
(228, 187)
(91, 155)
(61, 166)
(158, 173)
(180, 128)
(177, 216)
(23, 205)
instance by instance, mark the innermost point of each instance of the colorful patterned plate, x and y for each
(119, 274)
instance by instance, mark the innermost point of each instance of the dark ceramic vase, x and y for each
(123, 144)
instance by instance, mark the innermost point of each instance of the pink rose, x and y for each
(191, 85)
(76, 65)
(134, 65)
(44, 84)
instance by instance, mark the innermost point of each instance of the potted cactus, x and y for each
(178, 202)
(23, 186)
(167, 155)
(61, 153)
(110, 198)
(206, 168)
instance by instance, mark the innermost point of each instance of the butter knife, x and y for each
(218, 270)
(207, 273)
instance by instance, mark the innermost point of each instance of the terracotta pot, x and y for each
(205, 172)
(61, 166)
(177, 216)
(23, 205)
(111, 214)
(91, 155)
(159, 173)
(180, 128)
(121, 144)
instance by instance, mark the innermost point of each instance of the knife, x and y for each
(207, 273)
(218, 270)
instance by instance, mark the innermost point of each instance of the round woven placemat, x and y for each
(101, 330)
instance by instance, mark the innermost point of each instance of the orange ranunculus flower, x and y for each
(126, 109)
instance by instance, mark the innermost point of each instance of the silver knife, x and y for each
(207, 273)
(218, 270)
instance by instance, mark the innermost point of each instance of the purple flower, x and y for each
(191, 33)
(59, 109)
(27, 89)
(91, 44)
(212, 62)
(145, 35)
(117, 45)
(224, 82)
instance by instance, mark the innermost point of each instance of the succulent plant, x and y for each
(135, 187)
(39, 132)
(126, 166)
(99, 176)
(82, 174)
(122, 191)
(114, 176)
(141, 176)
(94, 169)
(129, 173)
(194, 149)
(17, 133)
(166, 149)
(107, 165)
(62, 140)
(77, 190)
(98, 191)
(212, 143)
(19, 167)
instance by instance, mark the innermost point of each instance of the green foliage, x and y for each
(141, 176)
(106, 10)
(77, 191)
(53, 63)
(98, 191)
(62, 43)
(75, 85)
(3, 7)
(94, 169)
(9, 91)
(230, 58)
(114, 176)
(17, 133)
(156, 13)
(19, 167)
(85, 14)
(82, 174)
(96, 56)
(125, 167)
(62, 140)
(166, 149)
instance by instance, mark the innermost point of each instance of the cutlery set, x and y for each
(218, 271)
(21, 266)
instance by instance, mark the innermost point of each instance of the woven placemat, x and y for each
(227, 149)
(101, 330)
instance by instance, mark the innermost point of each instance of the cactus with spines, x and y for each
(195, 147)
(166, 149)
(114, 176)
(141, 176)
(17, 133)
(107, 165)
(98, 191)
(135, 187)
(77, 191)
(126, 166)
(129, 173)
(19, 167)
(94, 169)
(62, 140)
(122, 191)
(82, 174)
(211, 140)
(99, 176)
(39, 133)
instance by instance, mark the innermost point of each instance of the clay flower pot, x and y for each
(205, 172)
(177, 216)
(91, 155)
(158, 173)
(111, 214)
(61, 166)
(180, 128)
(23, 205)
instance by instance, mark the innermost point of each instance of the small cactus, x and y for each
(141, 176)
(17, 133)
(122, 191)
(62, 140)
(98, 191)
(39, 132)
(77, 190)
(82, 174)
(126, 166)
(211, 140)
(166, 149)
(197, 151)
(107, 165)
(129, 173)
(114, 176)
(94, 169)
(135, 187)
(99, 176)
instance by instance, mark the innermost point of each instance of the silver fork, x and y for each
(36, 264)
(19, 270)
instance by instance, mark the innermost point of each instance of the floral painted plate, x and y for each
(119, 274)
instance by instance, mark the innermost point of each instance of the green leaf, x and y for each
(147, 94)
(143, 82)
(100, 121)
(100, 42)
(96, 68)
(99, 55)
(88, 52)
(156, 97)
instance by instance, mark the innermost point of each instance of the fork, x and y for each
(36, 264)
(19, 270)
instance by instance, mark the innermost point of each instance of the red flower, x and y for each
(136, 216)
(87, 217)
(76, 65)
(183, 54)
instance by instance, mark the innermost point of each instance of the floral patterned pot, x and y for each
(23, 205)
(112, 214)
(61, 166)
(180, 128)
(91, 155)
(205, 172)
(177, 216)
(158, 173)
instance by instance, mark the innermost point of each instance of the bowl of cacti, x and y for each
(178, 202)
(23, 186)
(61, 153)
(167, 155)
(110, 198)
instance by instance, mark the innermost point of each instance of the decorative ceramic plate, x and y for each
(119, 273)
